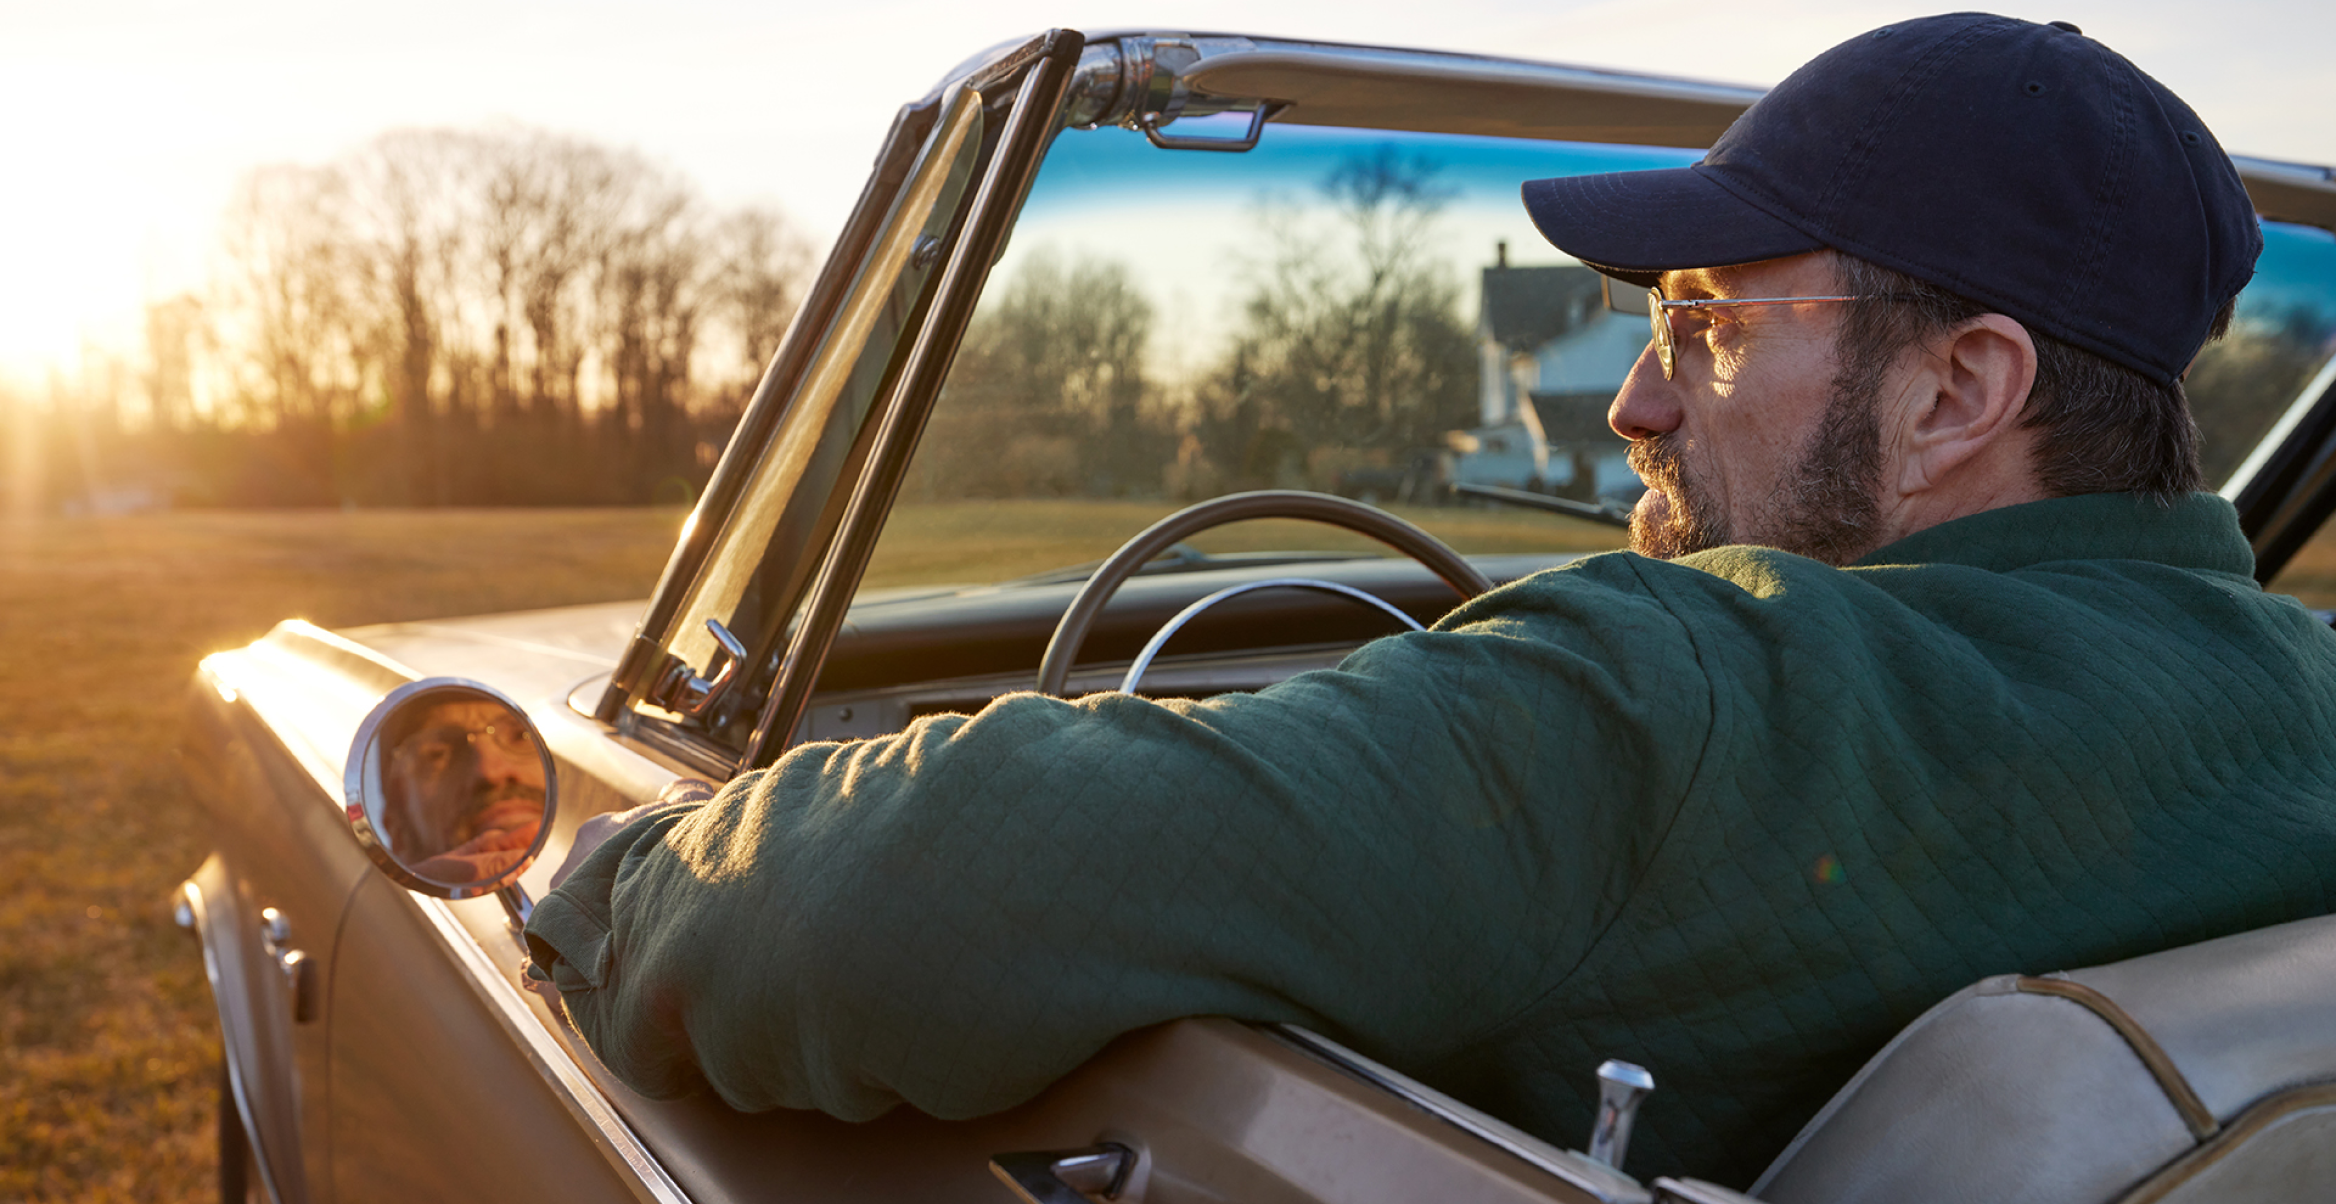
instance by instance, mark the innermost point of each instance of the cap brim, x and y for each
(1636, 225)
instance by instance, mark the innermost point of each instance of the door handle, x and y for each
(298, 971)
(1067, 1176)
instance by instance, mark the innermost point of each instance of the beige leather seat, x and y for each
(2203, 1073)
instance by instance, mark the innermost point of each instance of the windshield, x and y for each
(1356, 312)
(1349, 311)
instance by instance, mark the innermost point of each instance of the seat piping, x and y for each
(2261, 1116)
(2153, 1056)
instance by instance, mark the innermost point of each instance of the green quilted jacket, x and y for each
(1736, 817)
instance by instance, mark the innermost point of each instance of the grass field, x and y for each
(108, 1052)
(109, 1056)
(933, 543)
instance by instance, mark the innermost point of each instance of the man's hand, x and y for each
(594, 832)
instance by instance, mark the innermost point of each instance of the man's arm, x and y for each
(1405, 852)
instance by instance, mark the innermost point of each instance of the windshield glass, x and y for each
(2278, 352)
(1357, 312)
(2244, 382)
(1349, 311)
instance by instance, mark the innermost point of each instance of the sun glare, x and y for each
(93, 231)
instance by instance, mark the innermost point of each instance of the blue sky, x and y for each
(130, 120)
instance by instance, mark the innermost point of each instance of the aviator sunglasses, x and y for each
(1624, 298)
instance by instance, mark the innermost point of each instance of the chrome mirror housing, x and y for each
(450, 790)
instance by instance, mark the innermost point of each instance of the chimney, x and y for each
(1500, 254)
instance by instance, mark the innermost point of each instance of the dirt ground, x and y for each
(109, 1057)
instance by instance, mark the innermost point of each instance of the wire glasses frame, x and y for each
(510, 739)
(1629, 299)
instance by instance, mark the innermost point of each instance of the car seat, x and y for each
(2201, 1073)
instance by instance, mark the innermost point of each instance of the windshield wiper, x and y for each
(1607, 513)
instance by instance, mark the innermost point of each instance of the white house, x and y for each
(1550, 359)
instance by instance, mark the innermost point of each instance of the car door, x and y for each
(262, 752)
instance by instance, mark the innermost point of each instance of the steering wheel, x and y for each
(1054, 671)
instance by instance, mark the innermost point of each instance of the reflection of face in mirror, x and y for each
(465, 792)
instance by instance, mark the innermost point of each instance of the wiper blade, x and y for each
(1607, 513)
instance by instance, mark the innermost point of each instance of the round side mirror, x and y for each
(450, 788)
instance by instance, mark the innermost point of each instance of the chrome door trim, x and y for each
(583, 1097)
(1599, 1181)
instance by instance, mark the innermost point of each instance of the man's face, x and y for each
(469, 768)
(1752, 442)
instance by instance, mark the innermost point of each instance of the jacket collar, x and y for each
(2199, 531)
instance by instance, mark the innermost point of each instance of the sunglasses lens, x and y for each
(1623, 298)
(1659, 329)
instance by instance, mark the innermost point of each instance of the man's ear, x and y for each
(1963, 403)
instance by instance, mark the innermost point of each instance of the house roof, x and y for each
(1526, 307)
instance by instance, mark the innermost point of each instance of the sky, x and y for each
(125, 124)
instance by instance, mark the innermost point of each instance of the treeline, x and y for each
(438, 318)
(1349, 359)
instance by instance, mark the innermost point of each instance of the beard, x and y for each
(1824, 507)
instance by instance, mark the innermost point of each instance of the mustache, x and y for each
(485, 798)
(1656, 460)
(488, 793)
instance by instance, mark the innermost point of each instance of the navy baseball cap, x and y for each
(2024, 166)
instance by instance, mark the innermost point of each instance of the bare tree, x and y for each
(290, 302)
(174, 335)
(1351, 342)
(497, 316)
(1049, 395)
(761, 265)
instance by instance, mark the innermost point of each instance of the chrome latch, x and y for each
(679, 688)
(1622, 1087)
(298, 971)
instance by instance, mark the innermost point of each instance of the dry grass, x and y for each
(930, 543)
(2311, 574)
(109, 1055)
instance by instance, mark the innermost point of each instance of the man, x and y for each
(1719, 807)
(464, 792)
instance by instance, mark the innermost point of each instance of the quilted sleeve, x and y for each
(1405, 853)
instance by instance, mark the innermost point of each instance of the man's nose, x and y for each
(497, 764)
(1645, 407)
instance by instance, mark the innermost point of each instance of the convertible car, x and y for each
(1102, 298)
